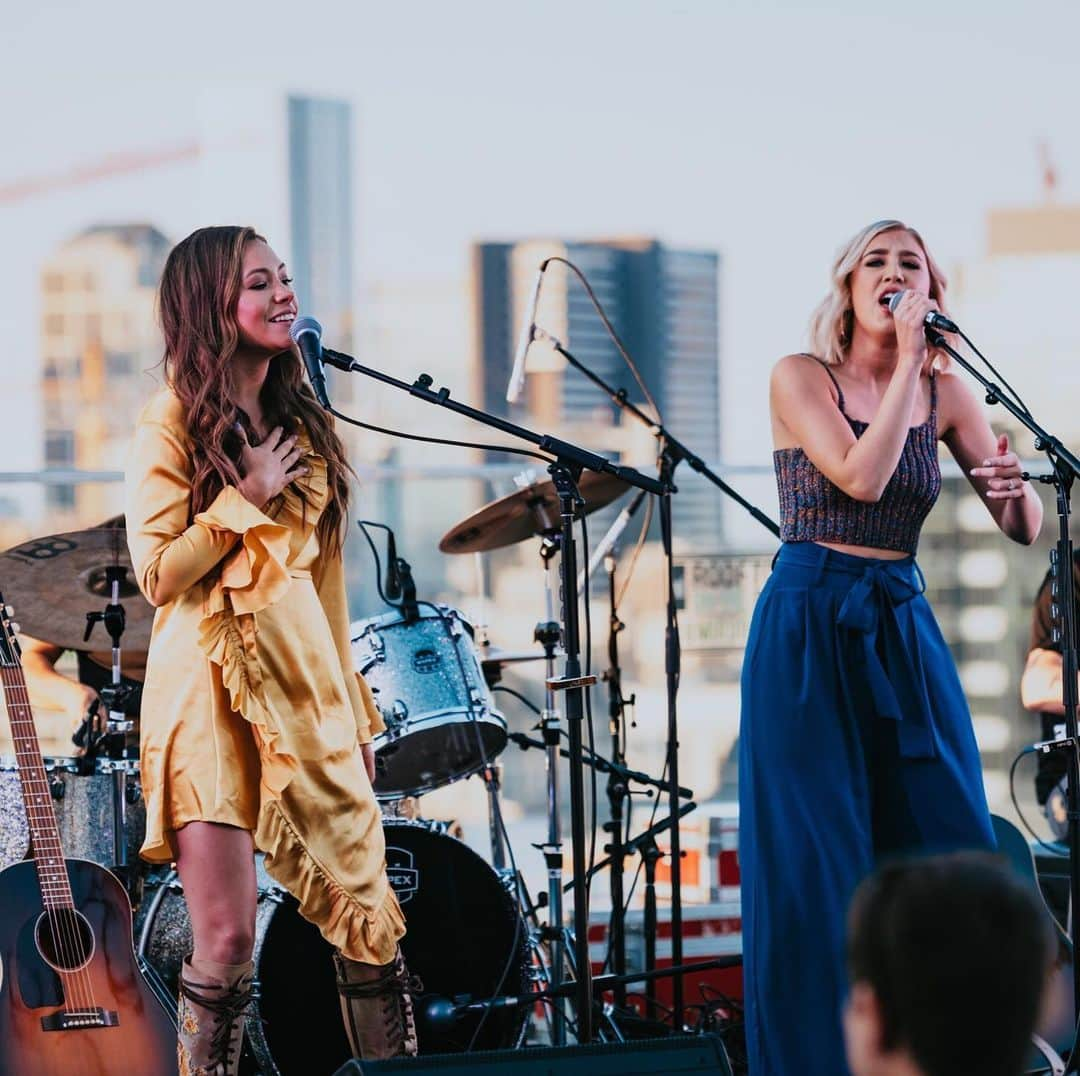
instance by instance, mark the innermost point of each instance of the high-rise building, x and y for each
(300, 150)
(98, 340)
(664, 305)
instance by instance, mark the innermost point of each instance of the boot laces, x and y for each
(227, 1008)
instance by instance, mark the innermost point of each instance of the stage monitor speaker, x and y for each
(672, 1056)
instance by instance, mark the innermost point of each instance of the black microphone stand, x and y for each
(617, 791)
(565, 469)
(672, 452)
(1064, 468)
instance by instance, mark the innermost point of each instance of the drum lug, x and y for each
(376, 644)
(132, 793)
(57, 788)
(274, 894)
(396, 718)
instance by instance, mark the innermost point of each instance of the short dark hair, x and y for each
(956, 949)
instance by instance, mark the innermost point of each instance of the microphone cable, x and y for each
(1029, 750)
(611, 332)
(436, 440)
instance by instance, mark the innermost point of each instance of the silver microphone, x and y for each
(528, 331)
(934, 318)
(306, 333)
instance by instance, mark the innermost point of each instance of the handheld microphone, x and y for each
(306, 333)
(934, 319)
(528, 331)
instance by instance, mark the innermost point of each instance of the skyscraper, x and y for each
(98, 340)
(663, 303)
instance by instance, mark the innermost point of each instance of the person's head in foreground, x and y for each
(948, 958)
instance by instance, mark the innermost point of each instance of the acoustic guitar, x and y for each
(73, 1000)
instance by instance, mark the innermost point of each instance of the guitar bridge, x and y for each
(77, 1019)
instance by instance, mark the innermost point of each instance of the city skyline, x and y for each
(763, 131)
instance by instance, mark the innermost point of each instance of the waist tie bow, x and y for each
(895, 678)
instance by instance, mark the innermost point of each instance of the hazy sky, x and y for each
(768, 130)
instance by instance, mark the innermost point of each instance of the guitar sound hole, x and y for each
(64, 939)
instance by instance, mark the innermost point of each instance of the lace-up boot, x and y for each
(213, 1000)
(376, 1005)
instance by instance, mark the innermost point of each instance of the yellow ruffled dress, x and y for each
(252, 714)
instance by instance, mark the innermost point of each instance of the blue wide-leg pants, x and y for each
(855, 744)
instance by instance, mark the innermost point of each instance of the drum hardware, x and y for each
(566, 462)
(83, 803)
(463, 932)
(113, 740)
(561, 945)
(442, 724)
(530, 510)
(54, 579)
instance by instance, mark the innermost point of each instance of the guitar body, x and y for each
(140, 1037)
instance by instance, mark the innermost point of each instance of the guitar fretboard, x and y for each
(37, 797)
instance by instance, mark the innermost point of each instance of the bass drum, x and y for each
(464, 931)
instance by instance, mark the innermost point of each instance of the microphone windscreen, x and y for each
(304, 324)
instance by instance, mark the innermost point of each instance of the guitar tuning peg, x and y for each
(16, 627)
(10, 610)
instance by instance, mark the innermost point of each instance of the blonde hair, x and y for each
(831, 323)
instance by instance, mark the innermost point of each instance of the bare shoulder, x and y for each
(799, 373)
(956, 400)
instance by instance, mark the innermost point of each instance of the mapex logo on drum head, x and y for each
(426, 660)
(403, 876)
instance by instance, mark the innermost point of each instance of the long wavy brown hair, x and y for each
(197, 301)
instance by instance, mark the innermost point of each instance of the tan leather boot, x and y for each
(210, 1020)
(376, 1005)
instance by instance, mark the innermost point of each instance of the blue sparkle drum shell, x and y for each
(441, 723)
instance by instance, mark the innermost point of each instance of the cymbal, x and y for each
(529, 511)
(54, 581)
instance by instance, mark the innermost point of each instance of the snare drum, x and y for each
(441, 722)
(84, 809)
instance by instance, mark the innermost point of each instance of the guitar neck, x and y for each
(37, 797)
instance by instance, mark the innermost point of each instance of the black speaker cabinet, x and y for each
(669, 1057)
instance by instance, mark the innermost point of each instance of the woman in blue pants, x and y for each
(856, 740)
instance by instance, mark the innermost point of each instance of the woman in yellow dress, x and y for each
(256, 729)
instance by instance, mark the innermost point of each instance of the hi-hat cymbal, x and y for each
(529, 511)
(53, 582)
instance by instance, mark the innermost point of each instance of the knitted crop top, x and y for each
(813, 509)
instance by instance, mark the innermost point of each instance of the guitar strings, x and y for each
(52, 873)
(52, 876)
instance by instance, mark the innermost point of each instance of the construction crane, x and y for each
(114, 164)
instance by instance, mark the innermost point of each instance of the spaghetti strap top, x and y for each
(813, 509)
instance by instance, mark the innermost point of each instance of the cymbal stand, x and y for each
(547, 634)
(115, 695)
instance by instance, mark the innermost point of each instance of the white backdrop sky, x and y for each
(768, 130)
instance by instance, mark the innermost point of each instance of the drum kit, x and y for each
(473, 931)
